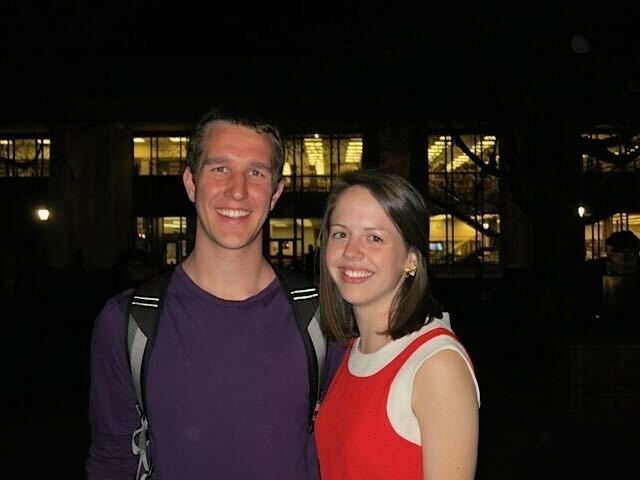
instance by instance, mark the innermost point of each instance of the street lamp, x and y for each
(581, 211)
(43, 214)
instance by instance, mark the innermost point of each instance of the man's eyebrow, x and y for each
(219, 159)
(223, 160)
(261, 164)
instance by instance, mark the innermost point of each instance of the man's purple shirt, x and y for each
(227, 389)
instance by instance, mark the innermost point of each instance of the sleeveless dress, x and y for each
(365, 428)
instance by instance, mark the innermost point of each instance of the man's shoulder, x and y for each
(110, 321)
(112, 317)
(293, 278)
(117, 303)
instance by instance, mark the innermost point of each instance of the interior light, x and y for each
(354, 151)
(315, 153)
(43, 214)
(581, 211)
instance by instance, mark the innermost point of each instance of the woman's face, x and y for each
(365, 253)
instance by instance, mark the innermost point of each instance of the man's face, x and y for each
(233, 193)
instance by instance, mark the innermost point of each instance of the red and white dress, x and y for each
(366, 428)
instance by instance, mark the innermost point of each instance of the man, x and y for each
(227, 388)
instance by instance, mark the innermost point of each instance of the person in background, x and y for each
(227, 390)
(404, 402)
(619, 305)
(623, 253)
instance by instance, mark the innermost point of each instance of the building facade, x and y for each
(534, 194)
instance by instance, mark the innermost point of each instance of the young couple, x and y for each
(227, 388)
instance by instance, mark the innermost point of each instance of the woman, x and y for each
(404, 403)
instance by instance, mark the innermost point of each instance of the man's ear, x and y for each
(277, 193)
(189, 183)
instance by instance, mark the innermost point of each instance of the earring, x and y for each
(410, 270)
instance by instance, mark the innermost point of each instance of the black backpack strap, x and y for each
(143, 312)
(303, 295)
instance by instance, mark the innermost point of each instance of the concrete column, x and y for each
(542, 232)
(516, 214)
(90, 190)
(395, 148)
(387, 146)
(371, 146)
(540, 224)
(418, 167)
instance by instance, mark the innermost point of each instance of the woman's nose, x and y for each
(352, 249)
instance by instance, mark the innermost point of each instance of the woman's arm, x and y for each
(445, 404)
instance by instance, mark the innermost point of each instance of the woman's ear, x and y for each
(411, 265)
(412, 258)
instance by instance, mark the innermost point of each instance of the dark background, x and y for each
(559, 386)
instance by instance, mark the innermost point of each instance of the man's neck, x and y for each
(229, 274)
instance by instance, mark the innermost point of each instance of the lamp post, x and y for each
(42, 215)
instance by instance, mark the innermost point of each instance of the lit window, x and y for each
(159, 155)
(463, 193)
(24, 157)
(165, 237)
(312, 161)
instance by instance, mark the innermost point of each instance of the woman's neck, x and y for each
(373, 343)
(371, 325)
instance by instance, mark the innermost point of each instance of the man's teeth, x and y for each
(233, 213)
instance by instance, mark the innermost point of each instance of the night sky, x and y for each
(561, 55)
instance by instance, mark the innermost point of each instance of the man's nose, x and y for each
(237, 187)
